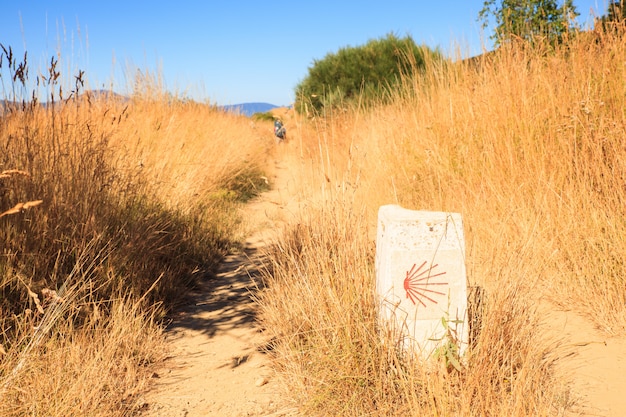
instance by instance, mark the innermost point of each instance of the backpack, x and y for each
(279, 129)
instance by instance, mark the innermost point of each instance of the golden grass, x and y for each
(140, 196)
(110, 209)
(57, 366)
(528, 147)
(187, 150)
(320, 311)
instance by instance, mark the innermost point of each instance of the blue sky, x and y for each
(227, 52)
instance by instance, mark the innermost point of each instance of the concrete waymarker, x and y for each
(421, 278)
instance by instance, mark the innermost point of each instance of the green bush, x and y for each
(361, 72)
(263, 117)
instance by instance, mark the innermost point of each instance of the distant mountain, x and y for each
(104, 94)
(248, 109)
(95, 94)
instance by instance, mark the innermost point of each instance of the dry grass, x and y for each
(110, 209)
(58, 367)
(321, 312)
(188, 151)
(528, 147)
(140, 196)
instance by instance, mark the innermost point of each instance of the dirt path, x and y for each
(596, 364)
(218, 367)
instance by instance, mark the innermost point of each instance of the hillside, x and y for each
(248, 109)
(166, 258)
(234, 341)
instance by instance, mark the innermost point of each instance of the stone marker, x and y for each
(420, 276)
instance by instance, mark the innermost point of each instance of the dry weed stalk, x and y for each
(10, 172)
(19, 207)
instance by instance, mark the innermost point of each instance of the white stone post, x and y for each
(421, 278)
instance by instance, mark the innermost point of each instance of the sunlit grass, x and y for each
(528, 147)
(111, 208)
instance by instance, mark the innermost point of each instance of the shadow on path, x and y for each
(218, 366)
(223, 302)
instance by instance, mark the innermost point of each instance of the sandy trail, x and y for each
(218, 365)
(596, 366)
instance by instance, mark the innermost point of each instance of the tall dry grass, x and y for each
(62, 360)
(529, 147)
(527, 144)
(110, 209)
(320, 311)
(189, 151)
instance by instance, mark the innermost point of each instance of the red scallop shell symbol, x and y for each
(416, 284)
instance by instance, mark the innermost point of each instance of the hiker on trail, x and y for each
(279, 130)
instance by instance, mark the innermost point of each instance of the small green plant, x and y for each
(248, 184)
(449, 351)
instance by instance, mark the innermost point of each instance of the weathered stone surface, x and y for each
(421, 277)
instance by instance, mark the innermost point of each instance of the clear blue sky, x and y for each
(227, 52)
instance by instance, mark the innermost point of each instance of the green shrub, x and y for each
(366, 71)
(265, 116)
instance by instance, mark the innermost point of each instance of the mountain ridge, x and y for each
(248, 109)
